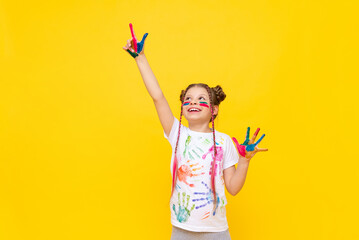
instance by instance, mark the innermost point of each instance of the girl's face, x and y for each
(196, 105)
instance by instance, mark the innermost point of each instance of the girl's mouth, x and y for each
(194, 110)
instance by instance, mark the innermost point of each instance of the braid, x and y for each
(215, 153)
(175, 162)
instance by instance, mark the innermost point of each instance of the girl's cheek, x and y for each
(204, 104)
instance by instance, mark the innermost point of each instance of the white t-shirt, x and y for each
(192, 201)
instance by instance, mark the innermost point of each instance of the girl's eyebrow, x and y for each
(199, 95)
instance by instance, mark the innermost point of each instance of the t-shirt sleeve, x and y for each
(173, 134)
(231, 156)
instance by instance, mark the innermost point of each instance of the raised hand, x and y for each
(248, 149)
(133, 47)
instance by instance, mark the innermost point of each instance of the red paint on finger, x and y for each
(133, 38)
(257, 131)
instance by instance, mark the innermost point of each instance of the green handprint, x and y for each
(183, 211)
(189, 149)
(188, 140)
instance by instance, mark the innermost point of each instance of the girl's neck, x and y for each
(199, 127)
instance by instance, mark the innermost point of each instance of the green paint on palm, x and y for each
(133, 54)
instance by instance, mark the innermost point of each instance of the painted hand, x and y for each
(133, 47)
(183, 211)
(248, 149)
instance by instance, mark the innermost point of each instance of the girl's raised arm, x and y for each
(136, 50)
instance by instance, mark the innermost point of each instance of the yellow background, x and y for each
(82, 150)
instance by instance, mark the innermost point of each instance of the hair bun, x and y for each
(220, 95)
(182, 95)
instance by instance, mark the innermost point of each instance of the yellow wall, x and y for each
(82, 152)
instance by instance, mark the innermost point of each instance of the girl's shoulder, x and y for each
(223, 137)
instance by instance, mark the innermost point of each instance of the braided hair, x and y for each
(216, 96)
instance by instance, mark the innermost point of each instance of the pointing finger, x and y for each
(133, 37)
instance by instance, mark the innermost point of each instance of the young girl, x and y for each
(203, 159)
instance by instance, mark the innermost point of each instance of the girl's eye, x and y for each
(201, 97)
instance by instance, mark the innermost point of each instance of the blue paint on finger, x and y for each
(142, 43)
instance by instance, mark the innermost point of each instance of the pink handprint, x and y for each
(219, 158)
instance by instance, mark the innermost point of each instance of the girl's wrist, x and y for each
(243, 161)
(140, 57)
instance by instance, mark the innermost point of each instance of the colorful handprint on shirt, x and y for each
(206, 199)
(188, 171)
(183, 212)
(207, 214)
(191, 149)
(218, 160)
(188, 140)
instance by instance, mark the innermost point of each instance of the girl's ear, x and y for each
(215, 109)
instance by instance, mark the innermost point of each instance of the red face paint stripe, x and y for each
(204, 105)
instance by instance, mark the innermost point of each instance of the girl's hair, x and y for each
(216, 96)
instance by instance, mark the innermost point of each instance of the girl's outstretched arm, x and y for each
(163, 109)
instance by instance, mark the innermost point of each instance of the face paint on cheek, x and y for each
(204, 104)
(186, 103)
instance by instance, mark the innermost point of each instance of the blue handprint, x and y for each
(183, 211)
(208, 198)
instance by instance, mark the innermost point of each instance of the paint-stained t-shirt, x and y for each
(192, 201)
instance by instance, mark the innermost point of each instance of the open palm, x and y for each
(248, 149)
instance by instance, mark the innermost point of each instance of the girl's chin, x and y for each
(194, 117)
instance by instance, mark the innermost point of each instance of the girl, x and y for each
(203, 159)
